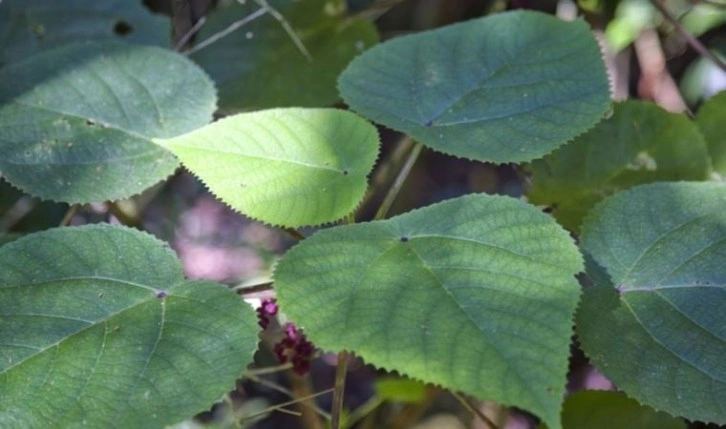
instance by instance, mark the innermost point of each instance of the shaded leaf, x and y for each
(260, 65)
(639, 143)
(438, 294)
(98, 327)
(76, 123)
(28, 27)
(608, 410)
(506, 88)
(289, 167)
(711, 120)
(660, 333)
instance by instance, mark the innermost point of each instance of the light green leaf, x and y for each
(76, 122)
(475, 294)
(506, 88)
(610, 410)
(260, 65)
(289, 167)
(28, 27)
(711, 119)
(660, 332)
(400, 390)
(98, 328)
(639, 143)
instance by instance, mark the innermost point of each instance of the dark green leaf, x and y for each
(712, 121)
(98, 328)
(28, 27)
(660, 332)
(506, 88)
(639, 143)
(260, 65)
(76, 123)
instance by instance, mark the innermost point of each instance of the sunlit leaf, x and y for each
(289, 167)
(475, 294)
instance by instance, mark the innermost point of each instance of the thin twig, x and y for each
(248, 290)
(278, 407)
(341, 369)
(474, 410)
(189, 34)
(690, 38)
(287, 27)
(301, 388)
(69, 215)
(267, 370)
(278, 388)
(386, 171)
(398, 183)
(226, 32)
(17, 212)
(122, 216)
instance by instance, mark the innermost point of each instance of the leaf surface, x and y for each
(476, 294)
(505, 88)
(291, 167)
(639, 143)
(711, 119)
(607, 410)
(76, 122)
(659, 330)
(28, 27)
(98, 327)
(260, 65)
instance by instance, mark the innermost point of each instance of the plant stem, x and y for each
(388, 168)
(474, 410)
(17, 212)
(69, 215)
(123, 216)
(247, 290)
(226, 32)
(294, 233)
(301, 389)
(341, 370)
(398, 183)
(690, 38)
(278, 388)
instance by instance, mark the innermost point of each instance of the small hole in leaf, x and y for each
(404, 239)
(345, 172)
(90, 122)
(161, 294)
(122, 28)
(428, 123)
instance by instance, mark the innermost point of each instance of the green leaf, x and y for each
(402, 390)
(98, 327)
(506, 88)
(660, 333)
(711, 118)
(439, 294)
(289, 167)
(639, 143)
(76, 123)
(608, 410)
(260, 65)
(28, 27)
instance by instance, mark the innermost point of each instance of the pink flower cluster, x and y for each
(294, 347)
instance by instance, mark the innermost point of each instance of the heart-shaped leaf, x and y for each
(28, 27)
(659, 331)
(98, 328)
(711, 118)
(76, 122)
(262, 65)
(289, 167)
(475, 294)
(639, 143)
(506, 88)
